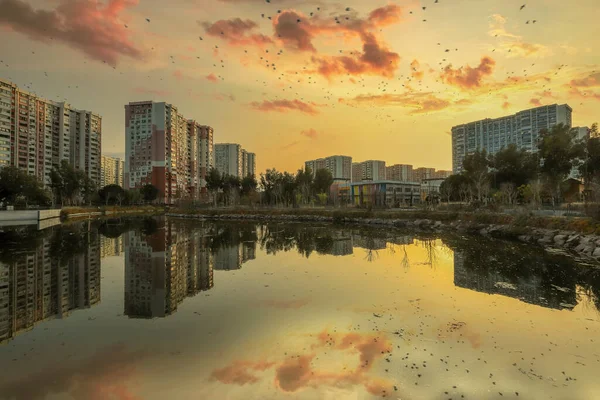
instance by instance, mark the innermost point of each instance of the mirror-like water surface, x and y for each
(155, 309)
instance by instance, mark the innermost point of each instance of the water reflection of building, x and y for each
(528, 286)
(163, 268)
(110, 247)
(228, 258)
(342, 244)
(369, 242)
(36, 287)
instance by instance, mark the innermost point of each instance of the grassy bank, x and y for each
(75, 212)
(574, 224)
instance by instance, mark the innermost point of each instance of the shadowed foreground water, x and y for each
(167, 309)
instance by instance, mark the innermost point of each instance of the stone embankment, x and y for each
(586, 246)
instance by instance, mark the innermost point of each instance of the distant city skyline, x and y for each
(315, 91)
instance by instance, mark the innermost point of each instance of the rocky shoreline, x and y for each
(573, 243)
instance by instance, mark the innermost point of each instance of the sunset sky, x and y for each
(293, 80)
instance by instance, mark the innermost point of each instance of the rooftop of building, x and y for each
(513, 114)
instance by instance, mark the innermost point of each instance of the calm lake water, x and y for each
(169, 309)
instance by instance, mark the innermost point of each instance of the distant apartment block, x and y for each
(339, 166)
(521, 129)
(111, 171)
(36, 134)
(399, 173)
(165, 149)
(248, 163)
(420, 174)
(371, 170)
(232, 159)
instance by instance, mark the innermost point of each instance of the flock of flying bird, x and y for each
(291, 82)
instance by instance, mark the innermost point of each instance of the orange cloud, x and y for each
(586, 82)
(505, 105)
(212, 78)
(224, 97)
(239, 372)
(584, 94)
(283, 106)
(85, 25)
(419, 103)
(414, 70)
(296, 373)
(468, 77)
(297, 32)
(310, 133)
(386, 15)
(375, 59)
(535, 102)
(237, 32)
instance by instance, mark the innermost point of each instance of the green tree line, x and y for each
(513, 176)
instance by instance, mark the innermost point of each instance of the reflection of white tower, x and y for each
(228, 258)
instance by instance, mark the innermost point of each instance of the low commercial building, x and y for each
(385, 193)
(430, 188)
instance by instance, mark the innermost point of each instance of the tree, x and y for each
(322, 181)
(149, 192)
(16, 185)
(112, 192)
(559, 154)
(450, 188)
(272, 190)
(511, 165)
(304, 183)
(133, 196)
(231, 187)
(214, 182)
(68, 184)
(248, 185)
(590, 167)
(476, 168)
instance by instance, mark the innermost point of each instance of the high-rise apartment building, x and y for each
(371, 170)
(521, 129)
(399, 173)
(339, 166)
(36, 134)
(229, 159)
(248, 163)
(441, 174)
(111, 171)
(202, 154)
(165, 149)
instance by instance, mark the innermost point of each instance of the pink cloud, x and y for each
(310, 133)
(85, 25)
(283, 106)
(212, 77)
(469, 77)
(237, 32)
(535, 102)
